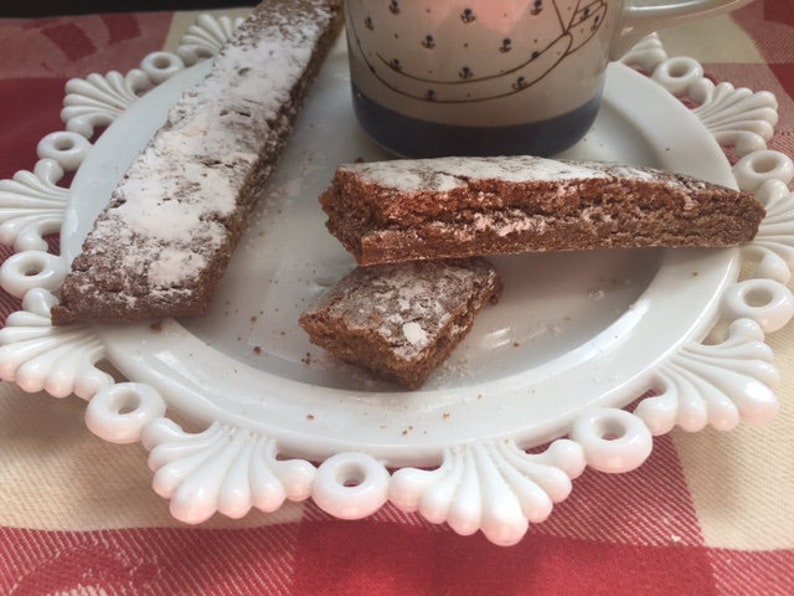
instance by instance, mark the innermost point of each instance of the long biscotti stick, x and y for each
(163, 243)
(404, 210)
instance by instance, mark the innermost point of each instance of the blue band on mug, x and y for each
(411, 137)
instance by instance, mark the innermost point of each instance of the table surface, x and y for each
(708, 512)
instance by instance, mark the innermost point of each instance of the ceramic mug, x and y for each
(491, 77)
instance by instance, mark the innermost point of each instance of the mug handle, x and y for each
(639, 20)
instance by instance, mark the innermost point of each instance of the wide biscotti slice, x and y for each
(403, 210)
(402, 321)
(164, 241)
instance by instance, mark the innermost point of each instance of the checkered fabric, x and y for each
(708, 513)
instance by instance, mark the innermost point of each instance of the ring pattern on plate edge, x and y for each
(490, 485)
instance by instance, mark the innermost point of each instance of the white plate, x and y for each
(575, 337)
(571, 330)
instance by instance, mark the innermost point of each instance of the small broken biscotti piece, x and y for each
(163, 243)
(402, 321)
(451, 207)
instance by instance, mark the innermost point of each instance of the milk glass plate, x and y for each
(533, 395)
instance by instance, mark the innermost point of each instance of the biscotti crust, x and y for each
(458, 207)
(163, 243)
(402, 321)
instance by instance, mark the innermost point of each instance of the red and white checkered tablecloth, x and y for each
(708, 512)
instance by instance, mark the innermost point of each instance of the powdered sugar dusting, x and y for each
(416, 336)
(175, 207)
(444, 174)
(409, 306)
(187, 177)
(172, 263)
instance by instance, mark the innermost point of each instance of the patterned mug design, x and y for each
(492, 77)
(498, 52)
